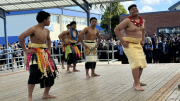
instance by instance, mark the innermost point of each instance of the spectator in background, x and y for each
(153, 39)
(164, 49)
(172, 50)
(178, 50)
(18, 54)
(59, 51)
(177, 40)
(149, 51)
(116, 48)
(104, 47)
(2, 56)
(10, 50)
(157, 51)
(175, 36)
(168, 36)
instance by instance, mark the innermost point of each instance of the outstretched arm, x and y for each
(22, 36)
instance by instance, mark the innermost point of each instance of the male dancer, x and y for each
(42, 68)
(64, 47)
(72, 52)
(90, 46)
(134, 27)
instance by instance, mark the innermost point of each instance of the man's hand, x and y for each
(96, 46)
(77, 42)
(49, 51)
(124, 44)
(63, 43)
(29, 51)
(86, 46)
(142, 43)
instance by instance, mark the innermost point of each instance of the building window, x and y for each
(170, 30)
(78, 21)
(98, 22)
(65, 20)
(55, 19)
(70, 19)
(84, 22)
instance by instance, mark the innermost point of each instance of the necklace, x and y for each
(138, 24)
(75, 38)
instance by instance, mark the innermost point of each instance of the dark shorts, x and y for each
(90, 65)
(72, 59)
(63, 56)
(35, 77)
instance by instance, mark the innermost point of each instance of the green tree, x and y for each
(110, 16)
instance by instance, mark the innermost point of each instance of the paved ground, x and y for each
(114, 84)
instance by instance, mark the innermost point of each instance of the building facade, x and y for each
(18, 22)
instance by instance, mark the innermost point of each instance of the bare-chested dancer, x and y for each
(133, 41)
(63, 47)
(38, 59)
(90, 46)
(72, 52)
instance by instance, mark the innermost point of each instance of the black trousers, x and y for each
(19, 62)
(149, 60)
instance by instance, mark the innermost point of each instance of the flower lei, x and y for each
(138, 24)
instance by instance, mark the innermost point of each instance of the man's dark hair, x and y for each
(41, 16)
(133, 5)
(68, 25)
(72, 23)
(93, 18)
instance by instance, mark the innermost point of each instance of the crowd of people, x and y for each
(14, 50)
(162, 48)
(158, 49)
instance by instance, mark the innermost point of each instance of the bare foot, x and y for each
(30, 99)
(63, 67)
(48, 96)
(76, 70)
(68, 71)
(138, 87)
(88, 76)
(141, 84)
(95, 74)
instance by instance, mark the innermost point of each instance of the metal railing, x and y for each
(54, 55)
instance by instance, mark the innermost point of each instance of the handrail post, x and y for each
(112, 51)
(108, 54)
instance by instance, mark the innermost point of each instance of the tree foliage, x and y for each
(110, 16)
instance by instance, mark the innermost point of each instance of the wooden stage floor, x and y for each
(114, 84)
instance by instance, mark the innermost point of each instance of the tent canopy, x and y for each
(21, 5)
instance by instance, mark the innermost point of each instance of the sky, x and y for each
(142, 5)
